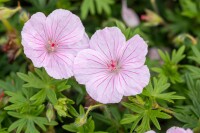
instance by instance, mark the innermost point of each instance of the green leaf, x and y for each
(194, 92)
(86, 7)
(51, 96)
(190, 114)
(16, 124)
(189, 8)
(39, 97)
(134, 107)
(196, 55)
(49, 87)
(2, 1)
(70, 127)
(143, 115)
(164, 56)
(104, 5)
(157, 90)
(128, 118)
(102, 118)
(18, 101)
(32, 80)
(101, 5)
(178, 56)
(170, 68)
(72, 111)
(115, 112)
(29, 124)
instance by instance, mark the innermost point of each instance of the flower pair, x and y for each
(109, 66)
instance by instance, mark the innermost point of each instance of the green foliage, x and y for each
(190, 115)
(43, 5)
(79, 88)
(47, 85)
(146, 110)
(27, 113)
(1, 3)
(157, 90)
(3, 130)
(170, 67)
(63, 105)
(81, 124)
(195, 71)
(189, 8)
(196, 55)
(29, 122)
(111, 117)
(128, 32)
(12, 83)
(101, 5)
(143, 116)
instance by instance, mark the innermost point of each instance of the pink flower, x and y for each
(151, 131)
(112, 67)
(52, 42)
(178, 130)
(129, 16)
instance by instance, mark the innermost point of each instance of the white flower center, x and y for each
(51, 46)
(113, 66)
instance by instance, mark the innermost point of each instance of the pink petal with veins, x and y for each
(112, 68)
(52, 42)
(178, 130)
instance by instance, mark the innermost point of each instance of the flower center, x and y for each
(51, 46)
(113, 66)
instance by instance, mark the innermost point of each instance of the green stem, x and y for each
(194, 41)
(163, 109)
(91, 108)
(153, 2)
(7, 24)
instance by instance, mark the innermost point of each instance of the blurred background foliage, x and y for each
(173, 26)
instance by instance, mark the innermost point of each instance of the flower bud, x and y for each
(23, 17)
(6, 13)
(129, 16)
(151, 18)
(182, 37)
(81, 120)
(61, 107)
(50, 112)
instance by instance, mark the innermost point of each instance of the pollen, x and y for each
(51, 46)
(113, 66)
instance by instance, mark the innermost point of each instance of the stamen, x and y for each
(113, 67)
(51, 46)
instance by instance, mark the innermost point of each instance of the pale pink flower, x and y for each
(52, 42)
(179, 130)
(112, 67)
(151, 131)
(129, 16)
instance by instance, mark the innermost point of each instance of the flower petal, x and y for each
(134, 52)
(75, 48)
(90, 68)
(39, 56)
(103, 89)
(64, 27)
(134, 80)
(34, 31)
(60, 66)
(151, 131)
(108, 42)
(88, 64)
(129, 16)
(178, 130)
